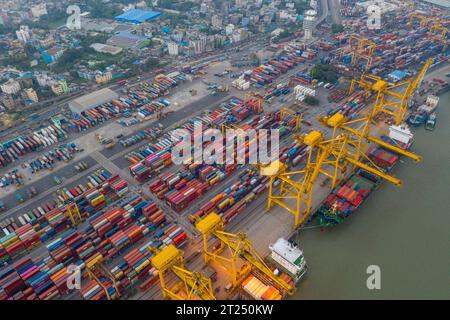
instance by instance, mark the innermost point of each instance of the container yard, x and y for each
(96, 192)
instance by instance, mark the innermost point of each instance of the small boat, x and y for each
(420, 115)
(417, 119)
(431, 122)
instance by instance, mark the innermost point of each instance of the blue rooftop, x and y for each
(398, 74)
(137, 16)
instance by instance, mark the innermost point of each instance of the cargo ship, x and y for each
(348, 196)
(287, 262)
(420, 116)
(289, 258)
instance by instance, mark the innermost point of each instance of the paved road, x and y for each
(323, 9)
(334, 6)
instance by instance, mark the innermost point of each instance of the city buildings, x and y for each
(39, 10)
(60, 87)
(172, 47)
(127, 40)
(10, 87)
(104, 48)
(31, 94)
(103, 77)
(217, 21)
(23, 34)
(7, 101)
(51, 55)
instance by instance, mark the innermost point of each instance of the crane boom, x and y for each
(194, 283)
(239, 246)
(249, 254)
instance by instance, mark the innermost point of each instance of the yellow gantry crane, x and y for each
(436, 29)
(286, 112)
(347, 146)
(259, 100)
(359, 48)
(391, 99)
(359, 138)
(70, 208)
(408, 4)
(418, 16)
(239, 247)
(194, 285)
(231, 126)
(95, 269)
(328, 157)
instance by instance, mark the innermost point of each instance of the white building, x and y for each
(290, 5)
(241, 3)
(103, 77)
(199, 45)
(39, 10)
(10, 87)
(8, 101)
(203, 8)
(23, 34)
(385, 7)
(31, 94)
(216, 21)
(276, 32)
(173, 48)
(309, 23)
(229, 29)
(141, 5)
(44, 80)
(239, 35)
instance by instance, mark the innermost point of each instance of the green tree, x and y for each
(68, 59)
(150, 64)
(324, 72)
(336, 28)
(312, 101)
(98, 9)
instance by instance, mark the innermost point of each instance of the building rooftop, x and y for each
(104, 48)
(126, 40)
(137, 16)
(92, 100)
(440, 3)
(398, 75)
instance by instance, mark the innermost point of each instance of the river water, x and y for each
(403, 230)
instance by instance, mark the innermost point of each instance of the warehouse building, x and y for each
(127, 40)
(439, 3)
(104, 48)
(137, 16)
(92, 100)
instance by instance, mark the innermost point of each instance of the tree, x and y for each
(150, 64)
(68, 59)
(86, 41)
(98, 9)
(336, 28)
(311, 101)
(324, 73)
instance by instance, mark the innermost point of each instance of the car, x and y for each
(119, 136)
